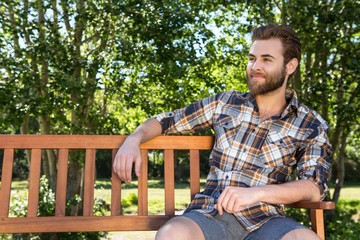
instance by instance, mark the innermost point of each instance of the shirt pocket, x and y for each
(279, 150)
(226, 128)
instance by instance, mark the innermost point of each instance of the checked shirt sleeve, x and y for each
(314, 163)
(196, 116)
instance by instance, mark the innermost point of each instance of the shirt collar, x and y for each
(293, 103)
(291, 99)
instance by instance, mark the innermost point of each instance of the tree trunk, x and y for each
(75, 180)
(75, 172)
(340, 168)
(49, 157)
(24, 129)
(44, 119)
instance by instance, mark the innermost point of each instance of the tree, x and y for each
(69, 64)
(331, 48)
(97, 67)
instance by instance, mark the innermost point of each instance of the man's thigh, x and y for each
(223, 226)
(276, 228)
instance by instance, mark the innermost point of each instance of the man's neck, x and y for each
(271, 104)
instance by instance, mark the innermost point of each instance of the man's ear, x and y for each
(291, 66)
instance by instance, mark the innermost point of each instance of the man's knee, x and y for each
(301, 234)
(180, 228)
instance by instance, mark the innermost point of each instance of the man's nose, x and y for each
(256, 65)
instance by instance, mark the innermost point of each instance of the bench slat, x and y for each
(89, 182)
(6, 176)
(82, 223)
(143, 185)
(34, 182)
(61, 182)
(115, 190)
(194, 172)
(169, 182)
(101, 142)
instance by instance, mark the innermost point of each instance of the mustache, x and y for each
(257, 74)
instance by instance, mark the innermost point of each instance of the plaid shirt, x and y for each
(250, 152)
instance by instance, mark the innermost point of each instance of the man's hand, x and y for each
(233, 199)
(128, 154)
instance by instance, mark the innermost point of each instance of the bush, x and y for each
(47, 208)
(345, 223)
(130, 203)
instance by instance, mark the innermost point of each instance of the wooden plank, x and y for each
(101, 142)
(313, 205)
(115, 190)
(317, 222)
(62, 141)
(169, 182)
(82, 223)
(89, 181)
(180, 143)
(61, 182)
(34, 182)
(5, 190)
(194, 172)
(143, 185)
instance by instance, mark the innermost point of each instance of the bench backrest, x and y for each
(116, 221)
(91, 143)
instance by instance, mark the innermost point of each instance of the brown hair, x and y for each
(290, 42)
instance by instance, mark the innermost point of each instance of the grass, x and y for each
(156, 195)
(351, 192)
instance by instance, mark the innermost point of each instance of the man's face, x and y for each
(265, 71)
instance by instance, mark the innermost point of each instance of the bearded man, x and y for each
(260, 138)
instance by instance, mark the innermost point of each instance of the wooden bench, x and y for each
(116, 221)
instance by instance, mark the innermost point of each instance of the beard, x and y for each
(272, 82)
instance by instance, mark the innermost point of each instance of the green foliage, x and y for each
(345, 224)
(342, 224)
(129, 204)
(46, 207)
(301, 215)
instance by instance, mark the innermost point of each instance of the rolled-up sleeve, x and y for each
(194, 117)
(315, 160)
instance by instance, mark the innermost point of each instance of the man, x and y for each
(260, 138)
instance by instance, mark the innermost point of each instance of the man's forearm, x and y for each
(129, 152)
(148, 130)
(289, 192)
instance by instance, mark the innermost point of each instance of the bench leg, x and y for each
(317, 222)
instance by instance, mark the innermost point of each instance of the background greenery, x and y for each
(103, 67)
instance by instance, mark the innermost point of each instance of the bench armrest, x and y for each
(316, 213)
(325, 205)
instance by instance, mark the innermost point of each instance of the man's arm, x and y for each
(233, 199)
(129, 152)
